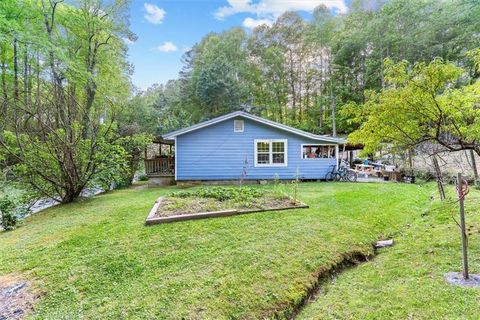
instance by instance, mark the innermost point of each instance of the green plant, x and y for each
(143, 177)
(277, 186)
(294, 184)
(134, 147)
(477, 184)
(221, 193)
(11, 209)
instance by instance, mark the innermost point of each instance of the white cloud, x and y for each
(167, 47)
(274, 8)
(154, 14)
(253, 23)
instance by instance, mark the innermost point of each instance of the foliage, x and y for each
(302, 73)
(12, 208)
(134, 146)
(63, 78)
(221, 193)
(143, 177)
(426, 104)
(294, 185)
(159, 109)
(424, 175)
(477, 184)
(65, 172)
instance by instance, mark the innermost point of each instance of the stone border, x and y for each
(152, 220)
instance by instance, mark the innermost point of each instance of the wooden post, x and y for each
(461, 196)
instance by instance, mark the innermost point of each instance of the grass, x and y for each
(406, 281)
(94, 259)
(206, 199)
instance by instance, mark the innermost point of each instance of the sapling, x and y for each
(295, 185)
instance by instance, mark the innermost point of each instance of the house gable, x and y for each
(245, 115)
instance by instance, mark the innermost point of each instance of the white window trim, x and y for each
(270, 141)
(176, 158)
(318, 144)
(235, 126)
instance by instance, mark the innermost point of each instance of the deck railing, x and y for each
(160, 167)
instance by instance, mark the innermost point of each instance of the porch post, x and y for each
(336, 155)
(176, 158)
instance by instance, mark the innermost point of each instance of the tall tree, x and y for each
(55, 140)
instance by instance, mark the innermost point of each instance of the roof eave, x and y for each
(172, 135)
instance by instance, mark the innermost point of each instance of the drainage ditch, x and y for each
(345, 262)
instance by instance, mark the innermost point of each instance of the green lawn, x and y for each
(406, 281)
(95, 259)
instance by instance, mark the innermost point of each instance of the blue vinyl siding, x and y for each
(217, 152)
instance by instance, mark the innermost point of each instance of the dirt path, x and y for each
(16, 299)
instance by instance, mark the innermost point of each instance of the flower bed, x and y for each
(218, 201)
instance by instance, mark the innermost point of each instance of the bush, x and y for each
(424, 175)
(477, 184)
(143, 177)
(11, 209)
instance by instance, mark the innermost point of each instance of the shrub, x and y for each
(143, 177)
(424, 175)
(11, 209)
(477, 184)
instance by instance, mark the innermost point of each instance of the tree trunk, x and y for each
(37, 98)
(26, 91)
(438, 176)
(320, 114)
(15, 69)
(410, 160)
(71, 194)
(4, 81)
(334, 122)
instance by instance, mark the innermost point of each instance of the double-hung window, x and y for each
(271, 153)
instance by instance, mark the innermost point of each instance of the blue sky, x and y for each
(167, 28)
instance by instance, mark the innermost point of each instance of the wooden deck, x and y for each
(163, 167)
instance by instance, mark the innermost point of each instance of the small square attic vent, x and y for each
(238, 125)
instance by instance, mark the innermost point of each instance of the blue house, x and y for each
(240, 144)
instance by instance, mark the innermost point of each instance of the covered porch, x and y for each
(160, 161)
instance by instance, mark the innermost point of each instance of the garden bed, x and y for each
(208, 202)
